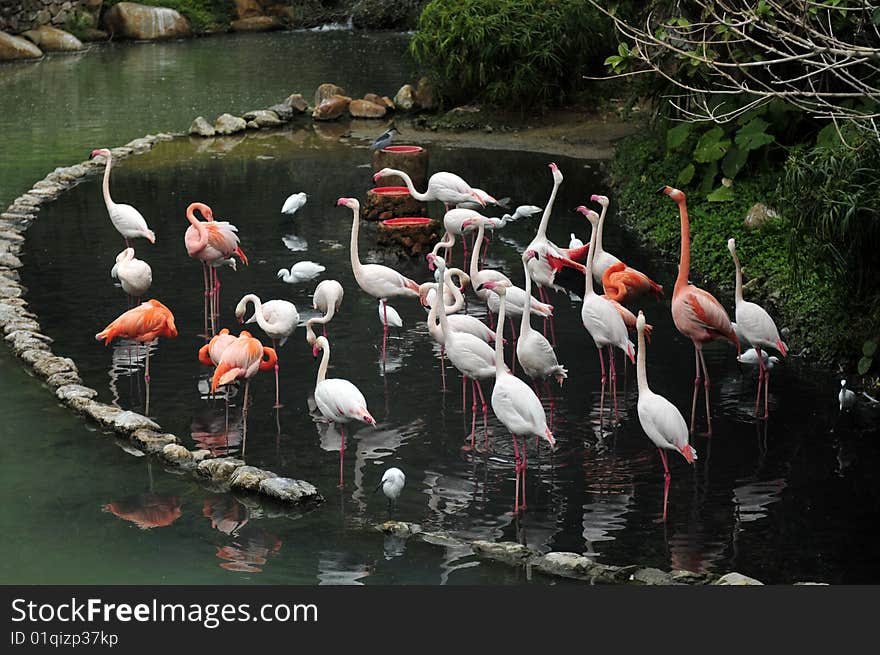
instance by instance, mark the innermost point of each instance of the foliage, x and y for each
(202, 14)
(79, 23)
(509, 51)
(869, 349)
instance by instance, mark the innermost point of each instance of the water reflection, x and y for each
(147, 510)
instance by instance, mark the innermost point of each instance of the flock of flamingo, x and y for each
(471, 346)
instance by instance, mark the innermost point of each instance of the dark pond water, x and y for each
(792, 499)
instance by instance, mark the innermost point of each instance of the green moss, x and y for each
(808, 303)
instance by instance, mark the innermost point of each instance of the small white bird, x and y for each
(750, 357)
(574, 242)
(392, 484)
(394, 319)
(294, 203)
(135, 275)
(301, 272)
(846, 397)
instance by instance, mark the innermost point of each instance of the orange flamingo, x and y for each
(696, 313)
(242, 359)
(144, 323)
(213, 243)
(623, 283)
(210, 355)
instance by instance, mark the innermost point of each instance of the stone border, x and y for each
(24, 335)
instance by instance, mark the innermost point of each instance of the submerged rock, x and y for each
(176, 454)
(399, 528)
(130, 20)
(568, 565)
(15, 47)
(219, 469)
(151, 441)
(289, 490)
(508, 552)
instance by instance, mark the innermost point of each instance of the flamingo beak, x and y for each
(663, 189)
(341, 202)
(376, 177)
(478, 198)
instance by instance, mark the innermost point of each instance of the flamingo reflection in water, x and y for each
(212, 430)
(146, 510)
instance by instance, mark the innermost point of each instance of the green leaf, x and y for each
(828, 136)
(708, 180)
(733, 161)
(865, 365)
(685, 175)
(711, 147)
(869, 348)
(752, 135)
(677, 135)
(721, 194)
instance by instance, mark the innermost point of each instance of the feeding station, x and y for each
(390, 199)
(408, 235)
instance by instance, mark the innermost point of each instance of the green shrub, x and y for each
(510, 51)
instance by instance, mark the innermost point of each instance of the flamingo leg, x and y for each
(244, 413)
(549, 390)
(613, 381)
(760, 379)
(147, 382)
(464, 244)
(517, 470)
(525, 467)
(602, 396)
(766, 392)
(706, 383)
(491, 319)
(485, 417)
(666, 479)
(384, 329)
(277, 388)
(443, 366)
(341, 457)
(473, 434)
(544, 299)
(697, 380)
(207, 293)
(486, 241)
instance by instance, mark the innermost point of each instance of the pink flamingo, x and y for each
(660, 419)
(696, 313)
(242, 360)
(327, 299)
(379, 281)
(338, 400)
(127, 220)
(212, 243)
(515, 404)
(758, 329)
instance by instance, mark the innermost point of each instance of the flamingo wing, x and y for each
(384, 282)
(662, 421)
(518, 408)
(701, 309)
(757, 326)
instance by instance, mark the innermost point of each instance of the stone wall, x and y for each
(21, 15)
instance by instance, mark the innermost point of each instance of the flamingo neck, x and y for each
(684, 263)
(499, 336)
(545, 217)
(448, 241)
(353, 246)
(641, 369)
(591, 255)
(438, 300)
(739, 279)
(258, 311)
(201, 228)
(407, 180)
(478, 246)
(458, 299)
(106, 184)
(600, 229)
(525, 322)
(325, 362)
(435, 330)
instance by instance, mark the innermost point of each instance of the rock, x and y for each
(25, 324)
(15, 47)
(399, 528)
(405, 98)
(425, 94)
(249, 478)
(130, 20)
(69, 391)
(176, 454)
(567, 565)
(91, 34)
(62, 379)
(289, 490)
(508, 552)
(220, 468)
(256, 24)
(298, 103)
(375, 98)
(651, 576)
(327, 91)
(201, 127)
(51, 39)
(758, 215)
(35, 355)
(252, 125)
(366, 109)
(51, 365)
(248, 8)
(263, 118)
(128, 421)
(23, 342)
(388, 103)
(229, 124)
(738, 579)
(151, 441)
(331, 108)
(689, 577)
(201, 455)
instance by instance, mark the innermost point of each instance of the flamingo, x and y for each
(758, 328)
(277, 318)
(492, 224)
(515, 404)
(377, 280)
(294, 203)
(534, 352)
(696, 313)
(134, 274)
(212, 243)
(210, 355)
(487, 199)
(338, 400)
(456, 322)
(392, 484)
(453, 221)
(127, 220)
(472, 356)
(388, 316)
(327, 299)
(144, 323)
(621, 282)
(243, 359)
(448, 188)
(604, 323)
(301, 272)
(660, 419)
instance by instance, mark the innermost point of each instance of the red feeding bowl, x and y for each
(402, 149)
(407, 221)
(390, 191)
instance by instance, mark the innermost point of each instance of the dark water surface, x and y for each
(795, 499)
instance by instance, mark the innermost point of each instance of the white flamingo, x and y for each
(301, 272)
(452, 223)
(277, 318)
(327, 299)
(516, 405)
(127, 220)
(377, 280)
(604, 323)
(456, 322)
(534, 352)
(759, 329)
(660, 419)
(448, 188)
(134, 274)
(338, 400)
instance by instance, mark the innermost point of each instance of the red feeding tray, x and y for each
(407, 221)
(403, 149)
(390, 191)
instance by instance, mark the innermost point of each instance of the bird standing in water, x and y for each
(392, 484)
(127, 220)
